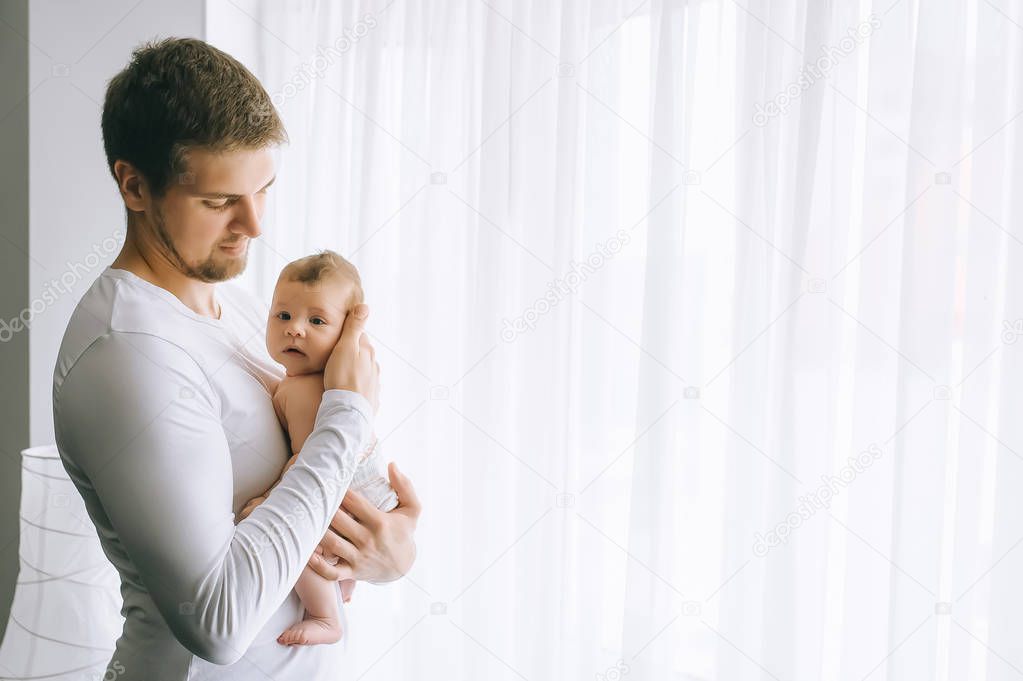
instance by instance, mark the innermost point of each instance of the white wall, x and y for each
(72, 206)
(77, 48)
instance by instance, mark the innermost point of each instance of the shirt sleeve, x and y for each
(141, 422)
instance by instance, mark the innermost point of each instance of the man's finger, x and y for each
(338, 546)
(349, 528)
(351, 330)
(366, 345)
(366, 513)
(408, 500)
(344, 570)
(330, 572)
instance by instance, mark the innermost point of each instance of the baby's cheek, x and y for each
(322, 355)
(330, 342)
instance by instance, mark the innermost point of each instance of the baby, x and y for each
(312, 298)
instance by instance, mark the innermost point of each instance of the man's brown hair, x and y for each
(180, 93)
(316, 267)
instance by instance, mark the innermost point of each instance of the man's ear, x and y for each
(132, 186)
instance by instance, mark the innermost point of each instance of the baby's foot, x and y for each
(311, 631)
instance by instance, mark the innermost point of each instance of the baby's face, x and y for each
(305, 322)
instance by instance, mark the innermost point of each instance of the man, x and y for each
(162, 396)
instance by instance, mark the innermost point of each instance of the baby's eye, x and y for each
(283, 316)
(317, 321)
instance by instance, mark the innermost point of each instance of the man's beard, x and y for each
(209, 270)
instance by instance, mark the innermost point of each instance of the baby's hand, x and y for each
(250, 506)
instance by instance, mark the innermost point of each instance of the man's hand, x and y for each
(352, 364)
(374, 546)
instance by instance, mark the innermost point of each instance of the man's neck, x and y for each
(196, 295)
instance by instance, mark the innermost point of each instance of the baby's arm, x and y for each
(299, 403)
(296, 401)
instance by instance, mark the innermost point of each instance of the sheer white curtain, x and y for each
(697, 323)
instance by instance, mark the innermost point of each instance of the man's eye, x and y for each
(218, 206)
(283, 316)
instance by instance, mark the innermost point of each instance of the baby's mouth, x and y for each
(294, 351)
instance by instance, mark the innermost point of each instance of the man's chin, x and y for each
(219, 268)
(235, 266)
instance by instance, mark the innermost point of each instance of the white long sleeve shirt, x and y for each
(164, 422)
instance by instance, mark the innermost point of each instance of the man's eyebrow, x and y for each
(222, 195)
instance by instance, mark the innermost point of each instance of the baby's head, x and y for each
(312, 298)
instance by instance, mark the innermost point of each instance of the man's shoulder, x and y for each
(90, 320)
(111, 309)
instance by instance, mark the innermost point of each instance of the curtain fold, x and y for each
(697, 322)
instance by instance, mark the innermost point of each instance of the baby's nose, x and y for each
(294, 331)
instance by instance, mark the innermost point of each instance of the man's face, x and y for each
(208, 215)
(305, 322)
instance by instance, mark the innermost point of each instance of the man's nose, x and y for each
(246, 218)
